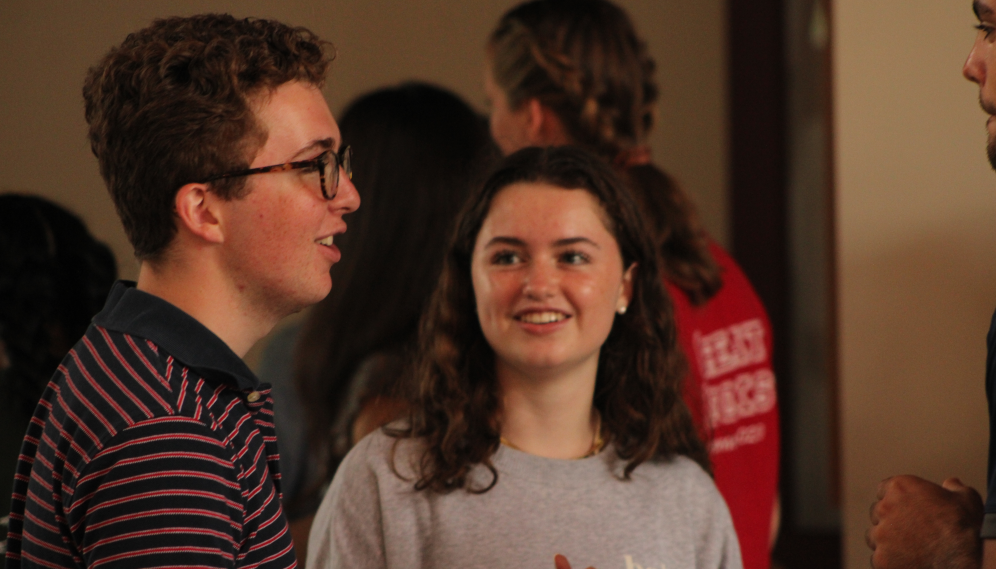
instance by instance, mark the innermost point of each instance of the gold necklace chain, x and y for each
(596, 442)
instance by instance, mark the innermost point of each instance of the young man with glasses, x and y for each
(154, 444)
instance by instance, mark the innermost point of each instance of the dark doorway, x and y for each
(781, 204)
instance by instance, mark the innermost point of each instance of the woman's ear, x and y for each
(626, 289)
(543, 126)
(196, 208)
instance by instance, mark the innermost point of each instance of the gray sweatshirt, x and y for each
(669, 515)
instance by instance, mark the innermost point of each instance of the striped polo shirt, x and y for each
(153, 446)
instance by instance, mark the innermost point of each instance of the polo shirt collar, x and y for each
(137, 313)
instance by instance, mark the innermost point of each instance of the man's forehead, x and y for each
(297, 120)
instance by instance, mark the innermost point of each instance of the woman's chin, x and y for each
(544, 363)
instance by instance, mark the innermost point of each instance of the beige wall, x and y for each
(917, 249)
(46, 47)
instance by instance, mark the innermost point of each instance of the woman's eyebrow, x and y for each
(574, 241)
(516, 242)
(501, 240)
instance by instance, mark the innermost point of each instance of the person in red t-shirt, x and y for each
(730, 390)
(575, 72)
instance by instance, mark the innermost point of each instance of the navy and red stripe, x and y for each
(153, 446)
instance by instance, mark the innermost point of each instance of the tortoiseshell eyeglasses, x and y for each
(327, 164)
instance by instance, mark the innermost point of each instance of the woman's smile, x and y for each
(544, 317)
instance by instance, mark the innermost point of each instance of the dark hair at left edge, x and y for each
(54, 276)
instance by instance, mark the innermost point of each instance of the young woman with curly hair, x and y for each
(546, 414)
(576, 72)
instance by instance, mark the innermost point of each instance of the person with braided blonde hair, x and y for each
(575, 72)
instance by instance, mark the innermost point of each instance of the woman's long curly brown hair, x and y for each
(583, 60)
(456, 398)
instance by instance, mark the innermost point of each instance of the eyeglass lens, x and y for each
(347, 159)
(332, 164)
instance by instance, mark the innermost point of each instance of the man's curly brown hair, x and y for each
(173, 104)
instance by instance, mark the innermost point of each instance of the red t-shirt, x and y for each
(730, 390)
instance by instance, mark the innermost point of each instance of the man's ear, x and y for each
(543, 126)
(196, 208)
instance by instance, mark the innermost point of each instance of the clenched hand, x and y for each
(917, 524)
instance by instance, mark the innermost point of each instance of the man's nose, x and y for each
(974, 69)
(347, 198)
